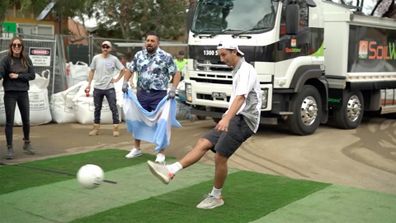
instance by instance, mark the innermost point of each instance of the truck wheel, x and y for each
(350, 114)
(307, 111)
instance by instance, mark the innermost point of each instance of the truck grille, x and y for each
(207, 65)
(212, 72)
(210, 97)
(211, 80)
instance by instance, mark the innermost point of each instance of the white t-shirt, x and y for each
(245, 82)
(104, 70)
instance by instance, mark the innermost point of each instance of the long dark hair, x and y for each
(24, 60)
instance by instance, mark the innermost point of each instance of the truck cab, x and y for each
(317, 61)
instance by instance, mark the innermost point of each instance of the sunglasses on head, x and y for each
(17, 45)
(105, 47)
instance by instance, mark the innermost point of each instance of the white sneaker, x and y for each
(210, 202)
(160, 158)
(133, 153)
(160, 171)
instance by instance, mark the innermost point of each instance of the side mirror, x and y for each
(292, 18)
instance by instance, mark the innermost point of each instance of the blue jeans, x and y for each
(98, 96)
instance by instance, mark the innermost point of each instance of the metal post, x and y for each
(54, 66)
(90, 48)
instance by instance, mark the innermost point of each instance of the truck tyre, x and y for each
(350, 114)
(307, 111)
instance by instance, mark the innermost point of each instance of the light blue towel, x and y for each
(154, 126)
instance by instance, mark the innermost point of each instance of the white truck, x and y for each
(317, 61)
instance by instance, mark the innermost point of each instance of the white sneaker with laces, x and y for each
(160, 171)
(133, 153)
(160, 158)
(210, 202)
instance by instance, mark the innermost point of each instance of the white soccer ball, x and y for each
(90, 176)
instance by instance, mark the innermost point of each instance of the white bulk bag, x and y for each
(120, 97)
(84, 107)
(76, 73)
(62, 105)
(2, 107)
(38, 99)
(17, 117)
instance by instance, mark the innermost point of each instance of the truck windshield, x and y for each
(234, 16)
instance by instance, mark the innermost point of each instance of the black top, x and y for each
(10, 64)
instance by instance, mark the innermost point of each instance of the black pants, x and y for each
(98, 101)
(11, 98)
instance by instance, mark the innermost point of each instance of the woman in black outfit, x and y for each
(17, 70)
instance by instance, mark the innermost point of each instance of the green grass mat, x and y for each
(248, 196)
(66, 200)
(25, 175)
(338, 204)
(31, 195)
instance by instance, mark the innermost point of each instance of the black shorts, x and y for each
(226, 143)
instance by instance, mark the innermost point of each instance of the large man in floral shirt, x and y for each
(154, 68)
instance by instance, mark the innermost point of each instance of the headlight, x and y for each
(264, 100)
(188, 92)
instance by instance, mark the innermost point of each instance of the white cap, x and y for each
(106, 43)
(229, 44)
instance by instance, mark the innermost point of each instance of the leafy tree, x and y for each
(128, 19)
(4, 4)
(34, 6)
(131, 19)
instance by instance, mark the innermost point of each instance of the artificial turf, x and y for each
(41, 172)
(30, 193)
(248, 196)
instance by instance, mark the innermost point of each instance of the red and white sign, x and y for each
(293, 42)
(41, 57)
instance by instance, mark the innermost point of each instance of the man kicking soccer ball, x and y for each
(238, 123)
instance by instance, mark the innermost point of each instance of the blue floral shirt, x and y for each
(154, 70)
